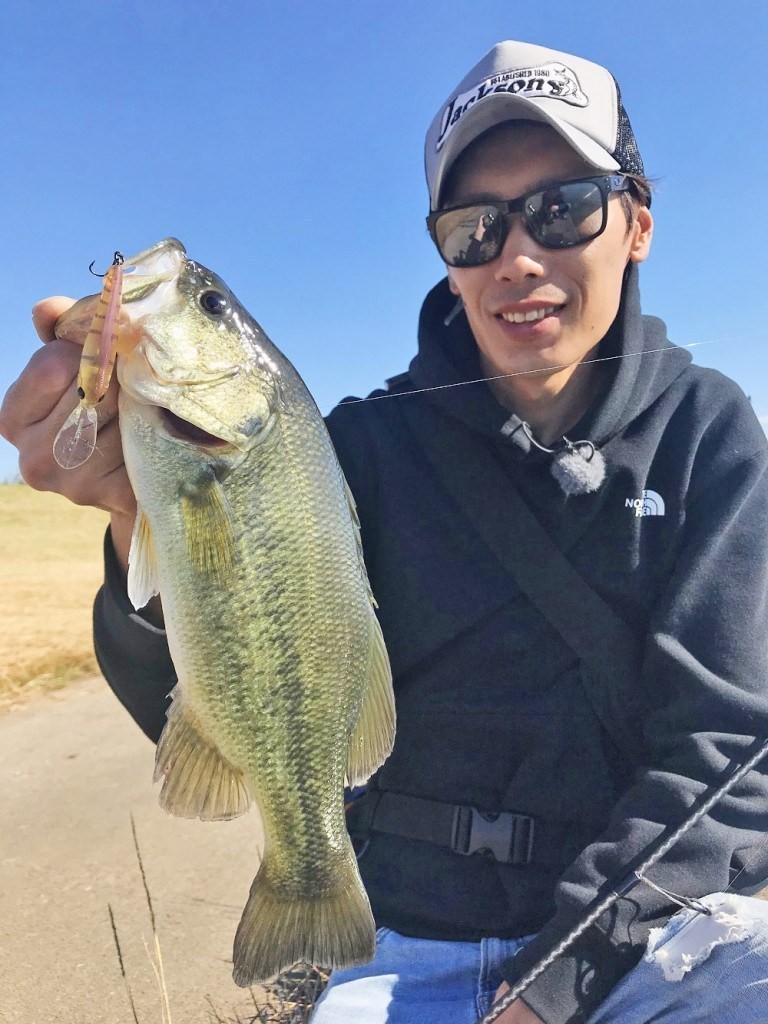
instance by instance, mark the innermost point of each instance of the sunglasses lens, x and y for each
(565, 215)
(470, 235)
(557, 217)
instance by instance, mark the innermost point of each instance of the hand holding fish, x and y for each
(518, 1013)
(247, 529)
(34, 410)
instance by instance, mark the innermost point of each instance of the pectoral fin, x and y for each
(143, 580)
(374, 734)
(208, 530)
(198, 781)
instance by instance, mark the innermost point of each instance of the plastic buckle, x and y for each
(507, 837)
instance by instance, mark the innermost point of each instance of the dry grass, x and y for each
(290, 999)
(50, 569)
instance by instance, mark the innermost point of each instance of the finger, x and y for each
(39, 431)
(50, 374)
(46, 312)
(37, 406)
(101, 481)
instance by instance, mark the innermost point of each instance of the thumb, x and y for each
(45, 314)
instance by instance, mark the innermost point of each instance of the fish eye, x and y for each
(214, 302)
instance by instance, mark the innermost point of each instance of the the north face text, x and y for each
(651, 504)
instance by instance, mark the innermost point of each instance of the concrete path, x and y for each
(73, 766)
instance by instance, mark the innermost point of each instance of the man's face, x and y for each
(579, 288)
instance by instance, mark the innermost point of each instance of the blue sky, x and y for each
(282, 143)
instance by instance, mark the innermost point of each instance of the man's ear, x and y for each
(642, 233)
(451, 283)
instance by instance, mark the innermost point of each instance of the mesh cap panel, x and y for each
(626, 153)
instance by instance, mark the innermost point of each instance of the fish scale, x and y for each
(248, 531)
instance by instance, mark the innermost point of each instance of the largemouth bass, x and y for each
(248, 531)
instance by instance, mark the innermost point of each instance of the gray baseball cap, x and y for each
(522, 81)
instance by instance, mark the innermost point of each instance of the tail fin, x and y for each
(335, 930)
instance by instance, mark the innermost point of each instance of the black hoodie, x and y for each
(492, 712)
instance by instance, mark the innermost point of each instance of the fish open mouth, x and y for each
(189, 432)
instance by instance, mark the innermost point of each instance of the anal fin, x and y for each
(198, 781)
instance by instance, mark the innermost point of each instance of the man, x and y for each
(530, 771)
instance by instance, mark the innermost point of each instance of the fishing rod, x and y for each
(599, 906)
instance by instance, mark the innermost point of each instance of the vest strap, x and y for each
(507, 837)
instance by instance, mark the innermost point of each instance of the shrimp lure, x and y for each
(76, 441)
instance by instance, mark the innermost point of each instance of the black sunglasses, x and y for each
(563, 214)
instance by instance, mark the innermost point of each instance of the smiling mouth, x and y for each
(530, 316)
(187, 431)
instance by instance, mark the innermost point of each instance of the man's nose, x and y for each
(521, 256)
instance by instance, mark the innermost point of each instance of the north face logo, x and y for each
(651, 504)
(552, 81)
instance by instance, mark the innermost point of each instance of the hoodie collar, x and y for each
(643, 365)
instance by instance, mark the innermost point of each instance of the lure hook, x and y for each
(118, 261)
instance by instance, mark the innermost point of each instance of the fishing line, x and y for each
(600, 905)
(747, 863)
(543, 369)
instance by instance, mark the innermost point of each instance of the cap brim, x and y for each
(496, 110)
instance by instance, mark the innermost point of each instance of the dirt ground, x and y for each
(74, 767)
(50, 570)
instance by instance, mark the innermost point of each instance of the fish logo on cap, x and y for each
(552, 81)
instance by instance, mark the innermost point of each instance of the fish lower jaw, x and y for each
(186, 431)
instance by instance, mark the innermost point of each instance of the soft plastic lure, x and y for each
(76, 441)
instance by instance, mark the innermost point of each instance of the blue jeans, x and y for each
(696, 970)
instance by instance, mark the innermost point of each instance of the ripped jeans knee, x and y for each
(689, 938)
(699, 969)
